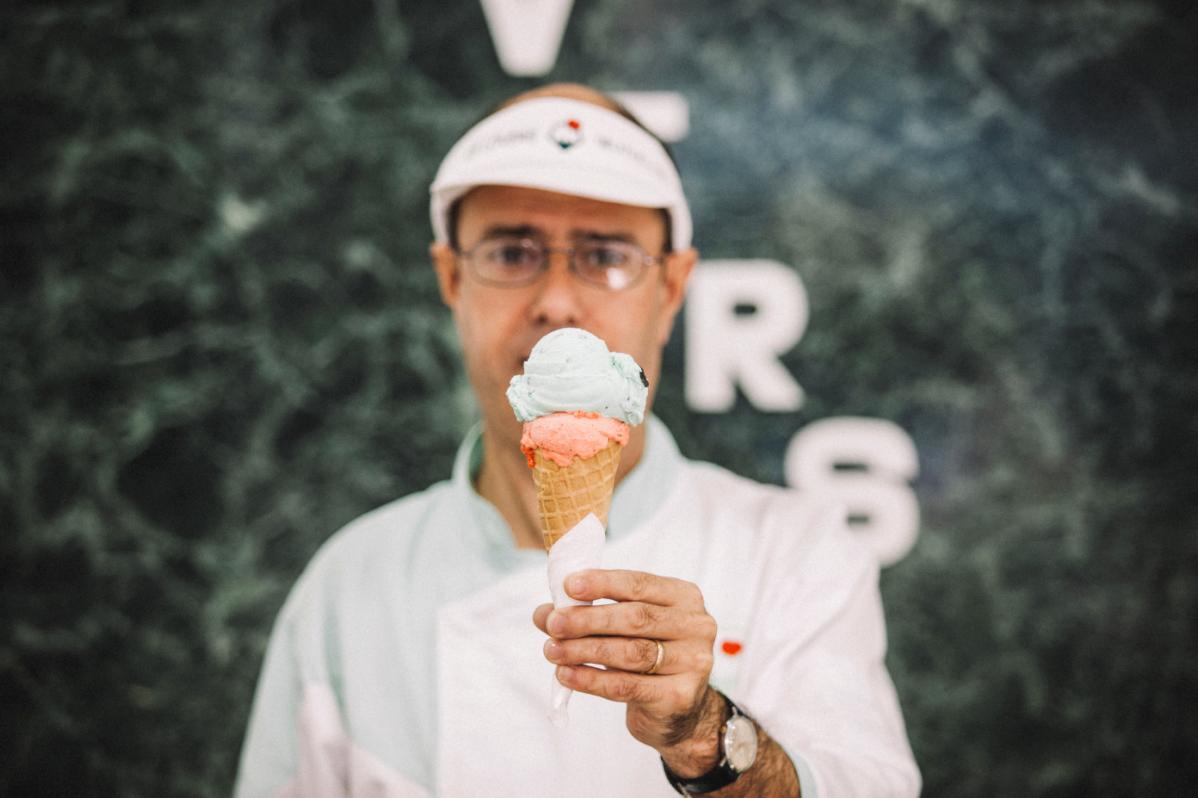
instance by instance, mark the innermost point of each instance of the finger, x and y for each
(629, 619)
(671, 695)
(632, 654)
(540, 614)
(622, 585)
(612, 685)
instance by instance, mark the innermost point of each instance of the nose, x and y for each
(556, 303)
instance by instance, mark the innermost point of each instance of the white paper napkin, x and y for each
(577, 550)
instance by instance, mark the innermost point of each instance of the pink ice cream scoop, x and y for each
(564, 437)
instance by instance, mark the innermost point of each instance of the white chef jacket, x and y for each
(405, 664)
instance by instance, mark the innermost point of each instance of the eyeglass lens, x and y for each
(514, 261)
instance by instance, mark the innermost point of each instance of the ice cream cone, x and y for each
(565, 494)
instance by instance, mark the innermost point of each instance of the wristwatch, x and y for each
(738, 751)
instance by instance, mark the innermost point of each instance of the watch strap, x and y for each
(719, 776)
(715, 779)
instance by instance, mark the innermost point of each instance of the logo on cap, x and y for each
(566, 133)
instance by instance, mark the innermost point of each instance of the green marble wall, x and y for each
(221, 341)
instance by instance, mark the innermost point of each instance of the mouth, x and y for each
(518, 368)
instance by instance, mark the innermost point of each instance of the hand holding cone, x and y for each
(576, 400)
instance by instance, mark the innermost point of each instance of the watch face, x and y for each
(740, 743)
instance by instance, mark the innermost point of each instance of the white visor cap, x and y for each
(566, 146)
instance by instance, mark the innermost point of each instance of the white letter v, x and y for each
(527, 33)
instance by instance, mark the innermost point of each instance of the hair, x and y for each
(451, 216)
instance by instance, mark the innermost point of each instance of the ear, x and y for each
(449, 277)
(676, 273)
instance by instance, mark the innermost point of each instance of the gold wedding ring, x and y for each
(661, 655)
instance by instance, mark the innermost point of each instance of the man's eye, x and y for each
(510, 255)
(605, 257)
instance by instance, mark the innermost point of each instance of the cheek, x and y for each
(650, 320)
(484, 328)
(636, 327)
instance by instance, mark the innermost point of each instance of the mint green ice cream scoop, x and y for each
(570, 369)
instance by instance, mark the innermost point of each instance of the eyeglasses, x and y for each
(512, 261)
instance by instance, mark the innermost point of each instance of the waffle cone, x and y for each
(565, 494)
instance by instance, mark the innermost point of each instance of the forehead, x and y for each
(513, 206)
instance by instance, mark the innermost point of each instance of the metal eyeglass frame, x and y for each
(468, 256)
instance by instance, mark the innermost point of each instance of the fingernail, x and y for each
(556, 624)
(563, 673)
(577, 584)
(553, 650)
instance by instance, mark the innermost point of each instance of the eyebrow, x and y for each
(591, 235)
(520, 231)
(529, 231)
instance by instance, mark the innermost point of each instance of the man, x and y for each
(742, 646)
